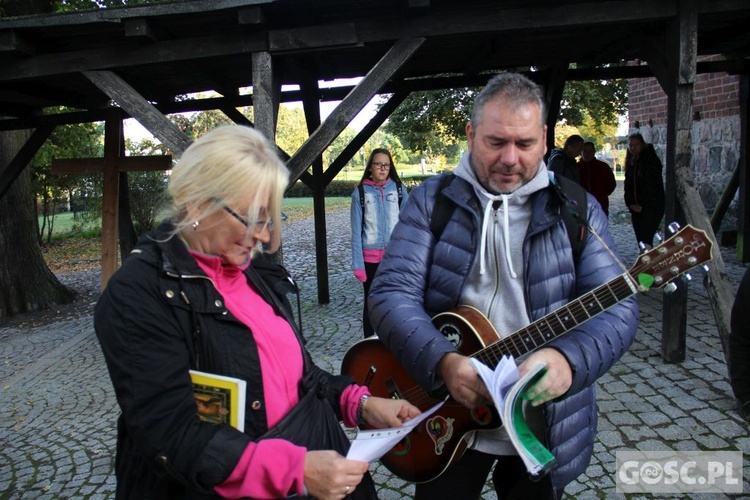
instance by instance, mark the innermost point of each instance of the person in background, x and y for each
(505, 251)
(596, 176)
(643, 189)
(562, 161)
(197, 294)
(376, 203)
(739, 347)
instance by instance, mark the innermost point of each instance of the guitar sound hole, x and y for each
(393, 391)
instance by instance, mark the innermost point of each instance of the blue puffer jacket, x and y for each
(419, 278)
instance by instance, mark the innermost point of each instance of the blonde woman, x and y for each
(195, 294)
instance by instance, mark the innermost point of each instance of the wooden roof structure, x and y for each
(146, 59)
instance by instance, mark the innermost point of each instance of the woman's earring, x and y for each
(195, 225)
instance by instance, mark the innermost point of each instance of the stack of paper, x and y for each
(507, 388)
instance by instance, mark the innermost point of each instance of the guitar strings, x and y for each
(619, 288)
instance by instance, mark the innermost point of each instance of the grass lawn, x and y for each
(73, 250)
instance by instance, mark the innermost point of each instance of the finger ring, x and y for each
(347, 489)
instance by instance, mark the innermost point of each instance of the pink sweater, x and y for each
(270, 468)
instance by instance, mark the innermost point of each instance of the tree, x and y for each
(429, 123)
(434, 122)
(67, 141)
(26, 283)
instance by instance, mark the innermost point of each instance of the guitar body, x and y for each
(438, 441)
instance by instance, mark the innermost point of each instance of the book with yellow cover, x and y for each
(220, 399)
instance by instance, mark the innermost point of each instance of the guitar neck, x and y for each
(560, 321)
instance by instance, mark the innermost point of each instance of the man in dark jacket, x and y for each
(739, 347)
(643, 189)
(506, 252)
(562, 161)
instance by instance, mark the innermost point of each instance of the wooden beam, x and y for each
(361, 138)
(338, 93)
(118, 57)
(122, 164)
(12, 43)
(266, 92)
(314, 37)
(352, 104)
(725, 200)
(139, 108)
(10, 173)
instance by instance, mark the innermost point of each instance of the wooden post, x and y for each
(311, 106)
(111, 166)
(682, 48)
(113, 134)
(743, 216)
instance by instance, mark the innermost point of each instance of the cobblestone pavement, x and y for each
(58, 413)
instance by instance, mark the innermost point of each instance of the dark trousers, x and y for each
(646, 223)
(466, 478)
(370, 270)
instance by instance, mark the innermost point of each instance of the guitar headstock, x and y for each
(687, 248)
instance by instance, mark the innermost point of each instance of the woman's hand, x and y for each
(329, 475)
(386, 412)
(360, 275)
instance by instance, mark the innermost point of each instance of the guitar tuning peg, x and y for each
(643, 247)
(688, 277)
(670, 288)
(673, 227)
(658, 238)
(705, 267)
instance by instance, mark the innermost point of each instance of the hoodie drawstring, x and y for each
(506, 233)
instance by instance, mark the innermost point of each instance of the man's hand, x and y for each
(555, 382)
(463, 381)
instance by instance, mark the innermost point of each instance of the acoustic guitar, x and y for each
(437, 442)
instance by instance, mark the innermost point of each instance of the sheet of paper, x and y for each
(372, 444)
(499, 380)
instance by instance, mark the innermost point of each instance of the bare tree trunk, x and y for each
(26, 283)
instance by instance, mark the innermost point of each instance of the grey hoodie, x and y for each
(495, 284)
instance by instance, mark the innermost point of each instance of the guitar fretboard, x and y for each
(558, 322)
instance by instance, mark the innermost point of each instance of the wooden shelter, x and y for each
(146, 59)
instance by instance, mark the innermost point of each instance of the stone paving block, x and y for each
(655, 406)
(636, 433)
(652, 418)
(610, 439)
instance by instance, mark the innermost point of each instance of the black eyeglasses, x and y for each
(384, 166)
(267, 223)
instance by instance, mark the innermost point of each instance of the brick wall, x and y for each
(715, 132)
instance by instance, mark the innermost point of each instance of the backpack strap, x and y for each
(443, 209)
(573, 208)
(574, 211)
(399, 188)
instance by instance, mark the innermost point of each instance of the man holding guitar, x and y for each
(505, 251)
